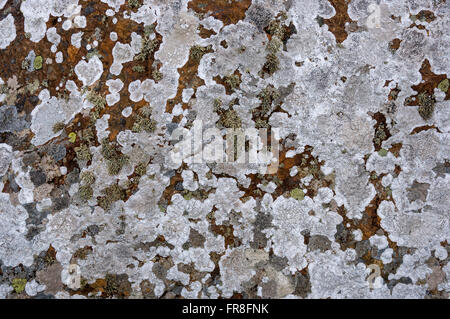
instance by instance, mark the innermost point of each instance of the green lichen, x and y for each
(148, 46)
(143, 121)
(197, 52)
(141, 169)
(230, 119)
(19, 284)
(233, 81)
(134, 4)
(115, 160)
(198, 194)
(99, 103)
(444, 85)
(93, 52)
(25, 64)
(83, 153)
(274, 45)
(217, 105)
(157, 76)
(260, 123)
(188, 196)
(272, 63)
(139, 69)
(383, 152)
(267, 96)
(275, 29)
(87, 177)
(38, 61)
(85, 192)
(426, 105)
(297, 194)
(388, 191)
(112, 194)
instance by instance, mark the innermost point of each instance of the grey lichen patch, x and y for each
(357, 180)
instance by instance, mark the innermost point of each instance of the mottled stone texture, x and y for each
(353, 204)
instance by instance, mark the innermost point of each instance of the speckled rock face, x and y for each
(352, 200)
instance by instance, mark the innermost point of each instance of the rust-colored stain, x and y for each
(307, 165)
(205, 33)
(336, 24)
(381, 130)
(429, 82)
(425, 128)
(188, 79)
(395, 44)
(395, 149)
(223, 10)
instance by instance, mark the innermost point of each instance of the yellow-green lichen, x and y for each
(72, 137)
(383, 152)
(19, 284)
(443, 85)
(38, 61)
(297, 194)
